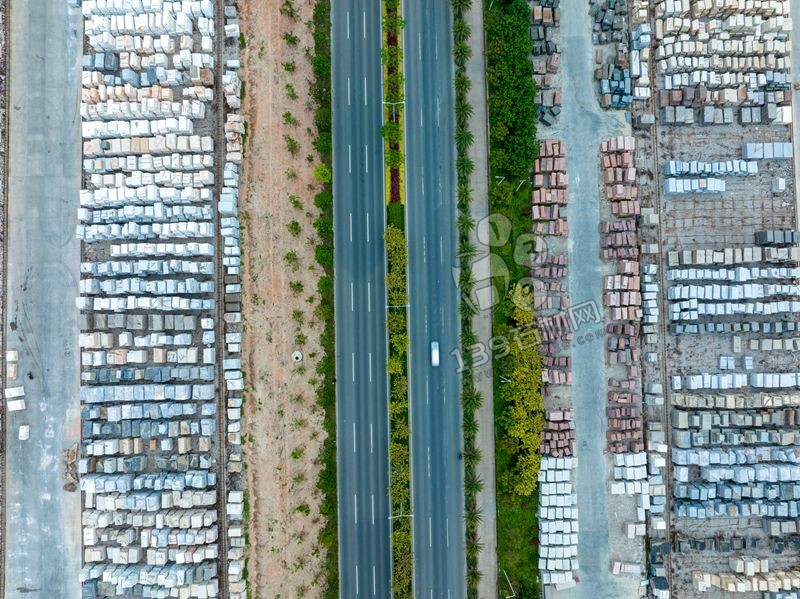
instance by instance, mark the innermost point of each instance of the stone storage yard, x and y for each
(546, 58)
(151, 471)
(558, 511)
(718, 76)
(549, 269)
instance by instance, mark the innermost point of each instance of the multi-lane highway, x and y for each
(361, 380)
(437, 471)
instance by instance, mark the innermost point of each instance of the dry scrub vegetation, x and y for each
(284, 430)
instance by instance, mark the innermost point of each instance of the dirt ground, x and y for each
(283, 429)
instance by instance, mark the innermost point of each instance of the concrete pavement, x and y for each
(360, 296)
(42, 537)
(583, 125)
(437, 471)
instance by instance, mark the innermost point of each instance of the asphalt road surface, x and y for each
(42, 536)
(361, 380)
(437, 471)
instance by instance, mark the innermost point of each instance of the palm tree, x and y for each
(469, 426)
(459, 6)
(472, 518)
(461, 31)
(473, 544)
(472, 455)
(463, 112)
(465, 224)
(462, 83)
(471, 400)
(464, 166)
(468, 337)
(473, 576)
(469, 438)
(472, 482)
(463, 190)
(464, 139)
(467, 250)
(464, 196)
(461, 53)
(465, 309)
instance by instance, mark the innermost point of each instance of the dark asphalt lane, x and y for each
(437, 476)
(361, 382)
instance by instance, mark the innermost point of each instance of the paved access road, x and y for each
(583, 125)
(42, 536)
(437, 471)
(361, 380)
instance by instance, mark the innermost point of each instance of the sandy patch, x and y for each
(283, 429)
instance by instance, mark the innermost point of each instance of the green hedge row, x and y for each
(512, 91)
(392, 53)
(392, 58)
(518, 417)
(399, 458)
(471, 399)
(326, 368)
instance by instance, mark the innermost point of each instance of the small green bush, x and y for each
(294, 228)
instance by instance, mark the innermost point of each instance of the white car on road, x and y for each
(434, 353)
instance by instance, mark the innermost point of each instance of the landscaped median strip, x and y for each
(396, 366)
(392, 58)
(396, 315)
